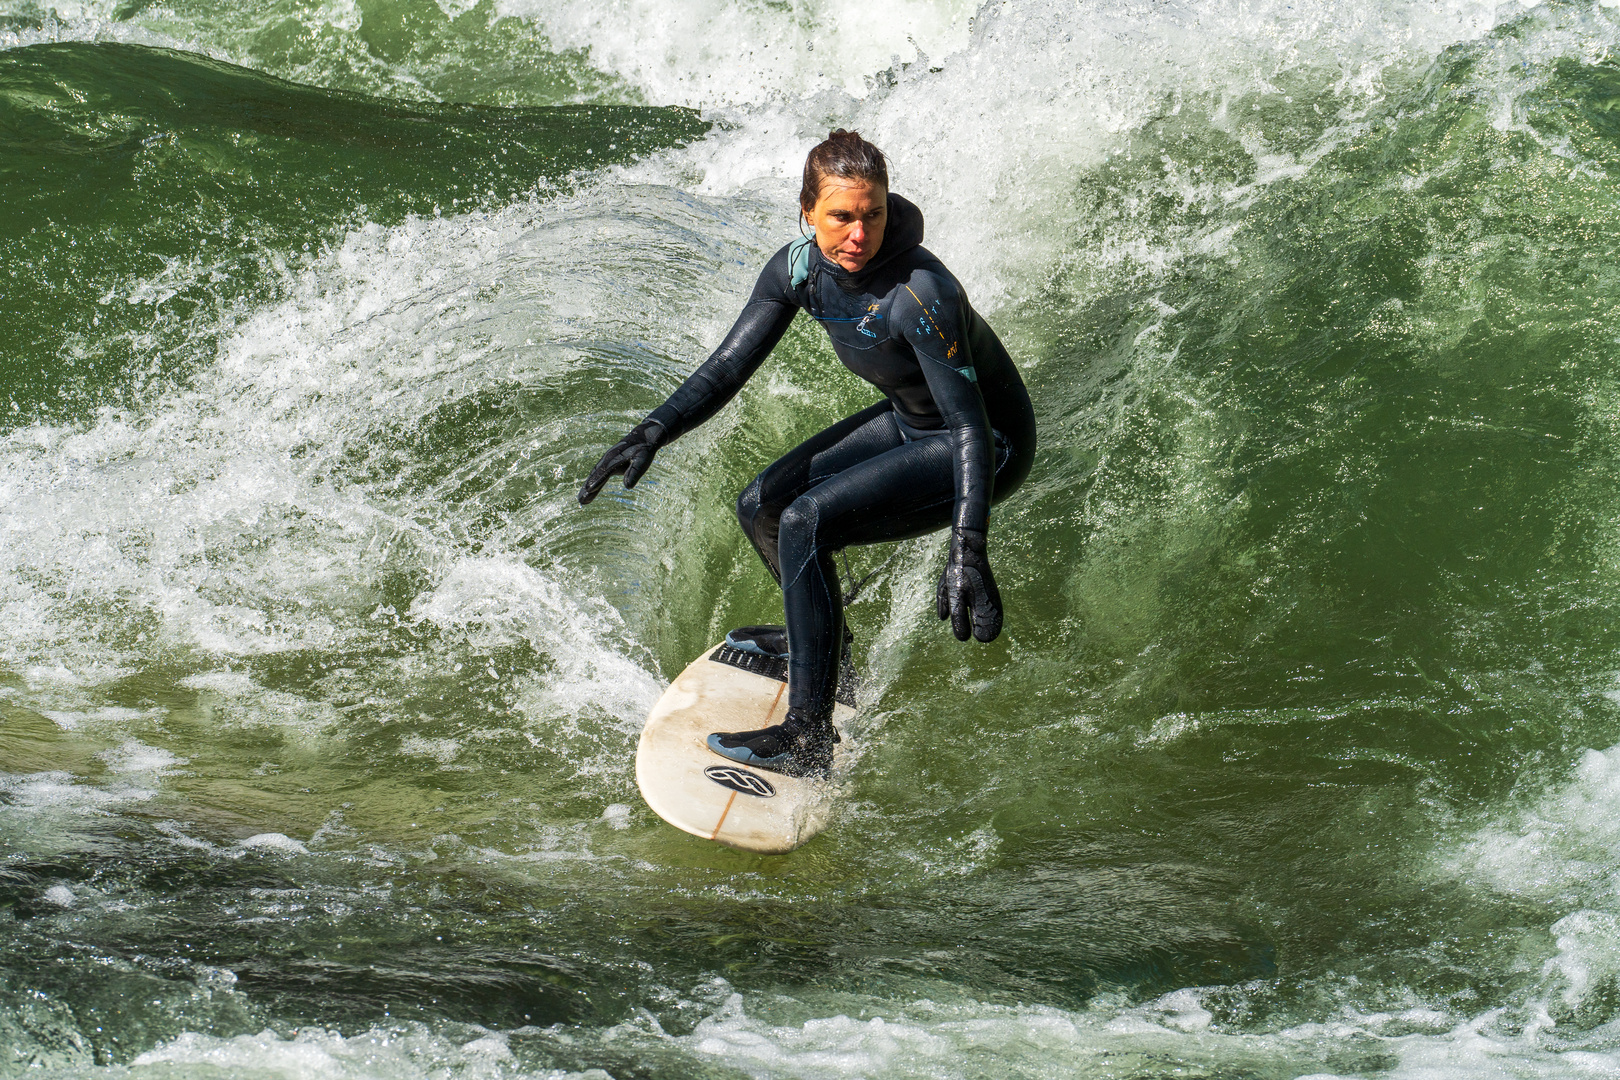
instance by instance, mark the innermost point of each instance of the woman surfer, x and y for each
(954, 433)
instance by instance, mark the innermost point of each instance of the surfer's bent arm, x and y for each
(763, 321)
(930, 314)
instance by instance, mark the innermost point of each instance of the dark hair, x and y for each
(844, 154)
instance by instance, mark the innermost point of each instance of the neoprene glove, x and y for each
(630, 455)
(967, 590)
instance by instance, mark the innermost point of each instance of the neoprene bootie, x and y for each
(764, 640)
(801, 745)
(772, 641)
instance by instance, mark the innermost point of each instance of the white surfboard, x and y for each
(697, 790)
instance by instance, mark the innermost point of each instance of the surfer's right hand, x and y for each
(630, 455)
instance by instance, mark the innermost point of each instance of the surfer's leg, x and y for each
(903, 492)
(906, 491)
(856, 438)
(802, 744)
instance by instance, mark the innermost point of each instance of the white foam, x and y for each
(56, 813)
(946, 1041)
(79, 20)
(273, 841)
(404, 1053)
(709, 52)
(441, 750)
(61, 896)
(1560, 848)
(496, 601)
(990, 143)
(136, 757)
(895, 1041)
(60, 792)
(74, 720)
(233, 684)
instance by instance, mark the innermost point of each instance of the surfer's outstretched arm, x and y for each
(764, 319)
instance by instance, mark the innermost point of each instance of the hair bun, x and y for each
(846, 155)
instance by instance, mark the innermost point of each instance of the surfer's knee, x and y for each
(799, 523)
(796, 534)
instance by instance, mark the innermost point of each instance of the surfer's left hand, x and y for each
(967, 590)
(631, 456)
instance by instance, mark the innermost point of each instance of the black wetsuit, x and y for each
(954, 433)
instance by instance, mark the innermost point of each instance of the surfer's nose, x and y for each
(857, 233)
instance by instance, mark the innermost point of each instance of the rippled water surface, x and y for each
(319, 693)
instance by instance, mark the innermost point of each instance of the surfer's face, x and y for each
(848, 218)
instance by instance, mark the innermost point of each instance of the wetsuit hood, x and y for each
(902, 232)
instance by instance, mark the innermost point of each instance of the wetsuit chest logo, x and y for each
(867, 320)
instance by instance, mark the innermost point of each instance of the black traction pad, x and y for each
(776, 667)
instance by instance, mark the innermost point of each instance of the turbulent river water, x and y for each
(319, 693)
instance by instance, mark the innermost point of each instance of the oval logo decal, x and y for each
(740, 780)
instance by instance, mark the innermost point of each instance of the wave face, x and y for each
(318, 693)
(153, 189)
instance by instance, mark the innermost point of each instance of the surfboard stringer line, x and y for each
(731, 801)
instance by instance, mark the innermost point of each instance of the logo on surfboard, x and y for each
(740, 780)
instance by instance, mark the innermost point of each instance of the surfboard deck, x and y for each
(700, 792)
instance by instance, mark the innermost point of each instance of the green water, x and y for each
(318, 692)
(153, 190)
